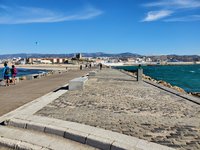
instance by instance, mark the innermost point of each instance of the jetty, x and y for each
(108, 110)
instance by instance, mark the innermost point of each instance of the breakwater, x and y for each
(186, 77)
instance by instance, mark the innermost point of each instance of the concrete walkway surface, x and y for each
(15, 96)
(22, 128)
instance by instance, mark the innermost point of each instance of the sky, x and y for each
(148, 27)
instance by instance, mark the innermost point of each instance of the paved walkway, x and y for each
(22, 128)
(115, 101)
(15, 96)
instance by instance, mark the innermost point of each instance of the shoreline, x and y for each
(57, 67)
(49, 68)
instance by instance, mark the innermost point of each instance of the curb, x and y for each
(20, 145)
(95, 137)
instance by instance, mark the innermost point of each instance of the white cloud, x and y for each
(177, 7)
(156, 15)
(184, 19)
(175, 4)
(22, 15)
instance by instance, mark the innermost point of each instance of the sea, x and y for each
(184, 76)
(22, 72)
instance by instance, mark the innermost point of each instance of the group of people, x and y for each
(86, 66)
(9, 74)
(90, 66)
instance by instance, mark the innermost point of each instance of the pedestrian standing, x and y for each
(100, 65)
(6, 74)
(13, 74)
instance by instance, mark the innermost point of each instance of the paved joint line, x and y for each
(112, 144)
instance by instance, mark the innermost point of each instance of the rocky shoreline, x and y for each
(164, 83)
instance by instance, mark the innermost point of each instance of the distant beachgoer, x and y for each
(13, 74)
(6, 74)
(81, 67)
(90, 65)
(100, 65)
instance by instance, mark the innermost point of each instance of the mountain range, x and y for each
(172, 57)
(37, 55)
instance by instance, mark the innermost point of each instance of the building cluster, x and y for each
(78, 58)
(46, 60)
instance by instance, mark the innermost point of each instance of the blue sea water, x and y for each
(22, 72)
(184, 76)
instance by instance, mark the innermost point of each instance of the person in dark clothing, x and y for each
(6, 74)
(100, 65)
(13, 74)
(81, 67)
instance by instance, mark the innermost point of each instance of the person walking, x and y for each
(13, 74)
(6, 74)
(101, 66)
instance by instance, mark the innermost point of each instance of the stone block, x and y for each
(55, 130)
(99, 142)
(29, 77)
(35, 126)
(75, 135)
(23, 78)
(33, 76)
(77, 83)
(92, 73)
(16, 123)
(2, 83)
(17, 79)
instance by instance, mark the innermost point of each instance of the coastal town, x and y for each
(115, 60)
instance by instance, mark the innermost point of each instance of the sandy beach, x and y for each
(115, 101)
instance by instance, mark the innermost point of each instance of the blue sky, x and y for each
(113, 26)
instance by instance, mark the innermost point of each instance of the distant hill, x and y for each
(98, 54)
(184, 58)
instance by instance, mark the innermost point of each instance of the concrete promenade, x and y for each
(115, 101)
(15, 96)
(111, 112)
